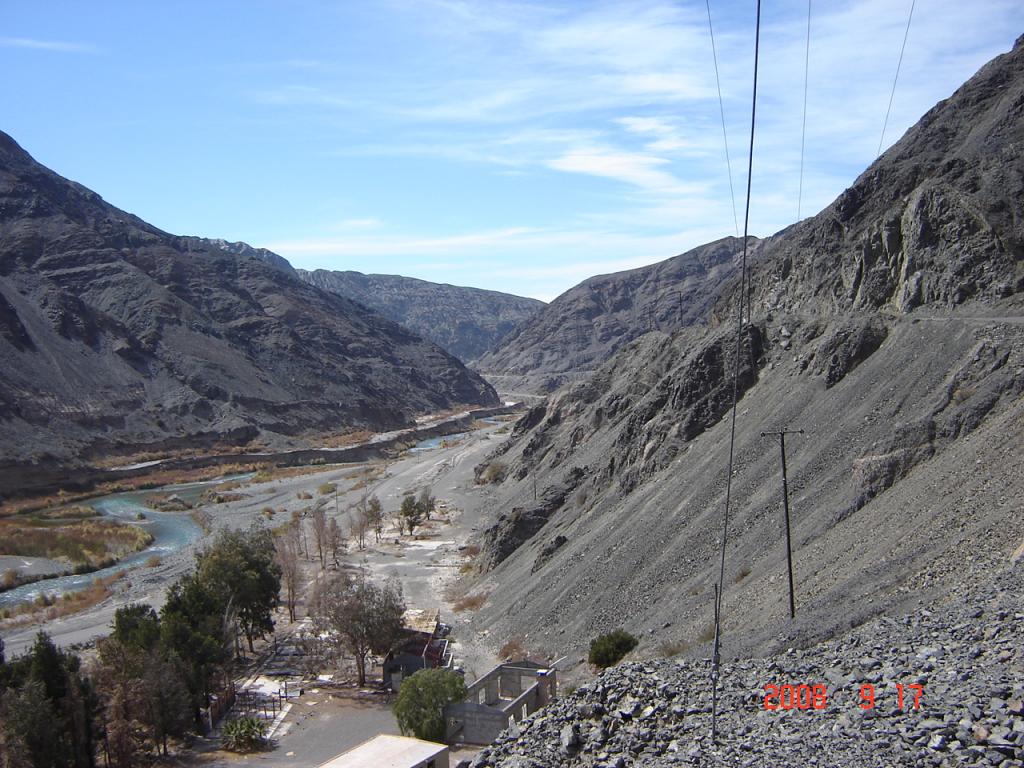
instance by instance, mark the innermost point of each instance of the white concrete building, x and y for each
(386, 751)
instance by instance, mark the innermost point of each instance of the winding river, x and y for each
(170, 530)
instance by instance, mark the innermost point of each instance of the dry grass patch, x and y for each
(513, 649)
(50, 607)
(669, 648)
(347, 439)
(85, 544)
(470, 602)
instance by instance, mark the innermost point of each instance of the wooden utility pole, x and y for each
(785, 505)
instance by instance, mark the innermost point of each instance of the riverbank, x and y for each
(424, 568)
(33, 486)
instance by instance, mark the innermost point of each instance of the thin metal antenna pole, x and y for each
(714, 676)
(785, 505)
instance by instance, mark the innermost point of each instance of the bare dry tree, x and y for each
(286, 551)
(358, 526)
(335, 540)
(318, 523)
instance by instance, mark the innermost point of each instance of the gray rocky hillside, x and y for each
(587, 324)
(890, 327)
(465, 321)
(244, 249)
(116, 337)
(968, 658)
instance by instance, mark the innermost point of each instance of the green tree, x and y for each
(607, 650)
(364, 616)
(194, 627)
(411, 513)
(421, 700)
(427, 503)
(375, 516)
(240, 567)
(49, 708)
(137, 626)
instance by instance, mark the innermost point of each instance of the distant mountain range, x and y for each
(465, 321)
(587, 324)
(116, 337)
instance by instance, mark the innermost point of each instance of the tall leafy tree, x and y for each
(194, 628)
(49, 708)
(364, 616)
(240, 567)
(421, 700)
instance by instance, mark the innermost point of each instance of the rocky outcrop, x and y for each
(966, 661)
(116, 337)
(465, 321)
(586, 325)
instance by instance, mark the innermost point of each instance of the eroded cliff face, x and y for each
(465, 321)
(117, 337)
(586, 325)
(889, 327)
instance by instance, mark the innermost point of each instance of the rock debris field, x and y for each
(968, 659)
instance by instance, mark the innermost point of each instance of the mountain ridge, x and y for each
(117, 337)
(465, 321)
(890, 327)
(586, 325)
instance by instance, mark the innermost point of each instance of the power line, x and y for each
(715, 659)
(899, 64)
(803, 130)
(721, 109)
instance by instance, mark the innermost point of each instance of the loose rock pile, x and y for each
(969, 659)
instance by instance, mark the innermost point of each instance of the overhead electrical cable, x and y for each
(721, 109)
(899, 64)
(715, 659)
(803, 129)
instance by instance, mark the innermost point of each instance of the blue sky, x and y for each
(507, 145)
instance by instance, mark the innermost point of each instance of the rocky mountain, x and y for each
(587, 324)
(890, 328)
(465, 321)
(244, 249)
(116, 337)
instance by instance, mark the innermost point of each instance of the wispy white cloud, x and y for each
(59, 46)
(645, 171)
(625, 92)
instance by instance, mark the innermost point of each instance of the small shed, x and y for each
(386, 751)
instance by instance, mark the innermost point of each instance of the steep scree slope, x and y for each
(115, 336)
(465, 321)
(889, 327)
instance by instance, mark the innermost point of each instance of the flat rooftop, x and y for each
(386, 751)
(422, 619)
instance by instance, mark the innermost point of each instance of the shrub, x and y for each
(513, 649)
(421, 700)
(607, 650)
(244, 734)
(326, 489)
(494, 473)
(670, 648)
(304, 495)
